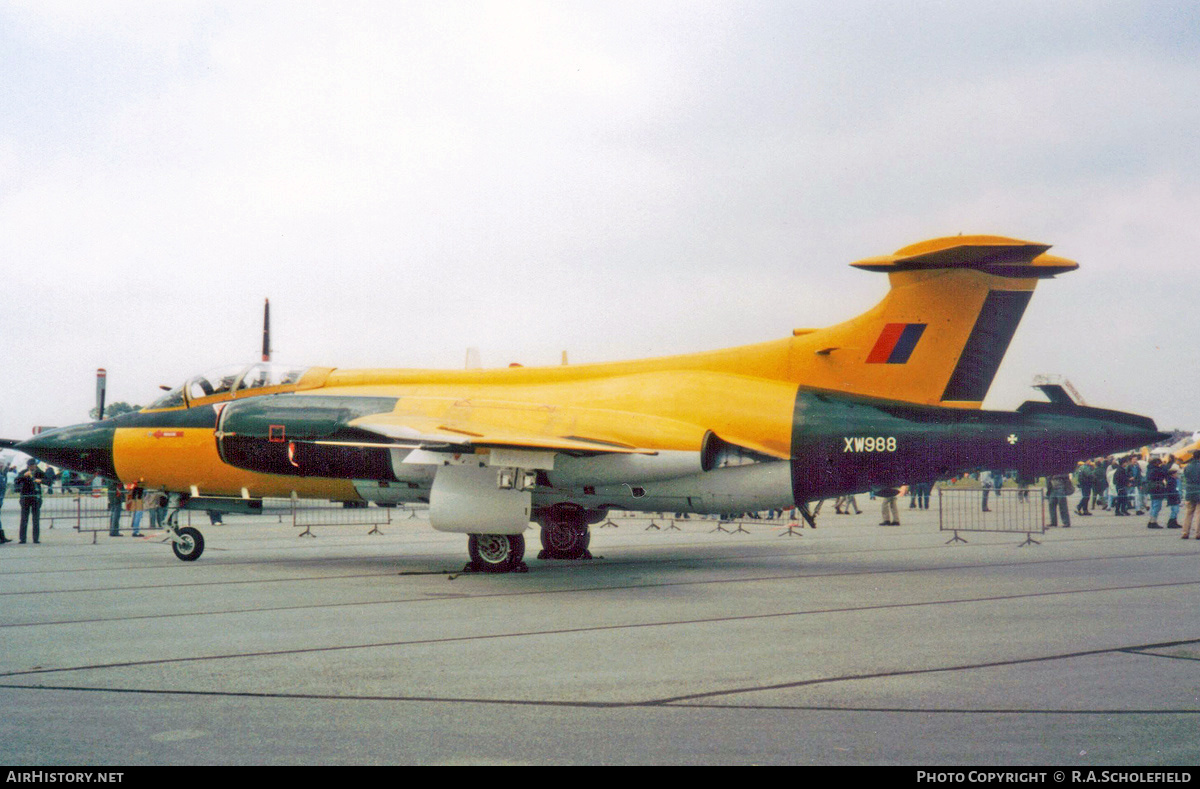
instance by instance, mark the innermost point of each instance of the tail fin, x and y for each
(940, 333)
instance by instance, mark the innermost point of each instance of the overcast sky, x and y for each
(405, 180)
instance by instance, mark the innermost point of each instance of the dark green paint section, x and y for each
(843, 444)
(85, 449)
(226, 505)
(317, 417)
(273, 435)
(198, 417)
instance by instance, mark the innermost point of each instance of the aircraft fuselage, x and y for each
(306, 444)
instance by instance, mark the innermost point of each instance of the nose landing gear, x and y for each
(188, 543)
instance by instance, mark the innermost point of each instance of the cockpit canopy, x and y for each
(231, 382)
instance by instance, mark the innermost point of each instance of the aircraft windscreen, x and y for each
(214, 383)
(206, 385)
(172, 399)
(261, 376)
(239, 378)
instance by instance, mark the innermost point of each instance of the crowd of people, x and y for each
(1135, 486)
(1129, 485)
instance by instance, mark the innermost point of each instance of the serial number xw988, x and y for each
(869, 443)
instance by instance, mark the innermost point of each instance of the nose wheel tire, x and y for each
(496, 553)
(190, 544)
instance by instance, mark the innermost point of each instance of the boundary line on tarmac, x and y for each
(527, 592)
(609, 628)
(1135, 650)
(683, 702)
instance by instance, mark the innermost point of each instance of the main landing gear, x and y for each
(496, 553)
(565, 535)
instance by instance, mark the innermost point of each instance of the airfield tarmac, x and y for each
(853, 644)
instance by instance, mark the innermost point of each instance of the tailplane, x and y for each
(939, 335)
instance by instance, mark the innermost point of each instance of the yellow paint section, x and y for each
(648, 411)
(179, 458)
(1185, 455)
(948, 302)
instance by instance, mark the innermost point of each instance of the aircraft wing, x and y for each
(348, 436)
(435, 424)
(407, 430)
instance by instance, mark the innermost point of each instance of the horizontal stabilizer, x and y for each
(1057, 394)
(1003, 257)
(1088, 412)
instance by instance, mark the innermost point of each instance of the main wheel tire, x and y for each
(191, 544)
(496, 553)
(565, 539)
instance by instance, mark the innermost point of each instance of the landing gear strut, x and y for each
(496, 553)
(187, 543)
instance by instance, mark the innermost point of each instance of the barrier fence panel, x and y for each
(1013, 511)
(87, 511)
(80, 510)
(731, 523)
(307, 513)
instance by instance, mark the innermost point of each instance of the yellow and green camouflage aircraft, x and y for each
(892, 396)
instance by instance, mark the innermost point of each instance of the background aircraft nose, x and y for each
(87, 449)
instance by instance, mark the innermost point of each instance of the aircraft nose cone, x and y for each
(87, 449)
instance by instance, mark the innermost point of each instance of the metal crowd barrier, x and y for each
(1013, 511)
(307, 513)
(88, 511)
(73, 508)
(730, 524)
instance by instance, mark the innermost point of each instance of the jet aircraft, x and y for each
(889, 397)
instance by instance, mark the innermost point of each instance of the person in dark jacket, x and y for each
(1099, 484)
(29, 485)
(1058, 488)
(1083, 481)
(1172, 499)
(1121, 483)
(1135, 485)
(115, 506)
(1156, 486)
